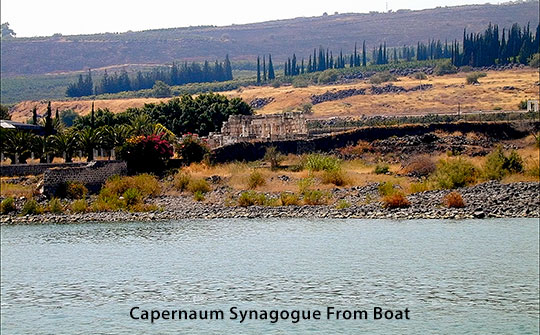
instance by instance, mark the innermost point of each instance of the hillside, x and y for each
(24, 56)
(500, 90)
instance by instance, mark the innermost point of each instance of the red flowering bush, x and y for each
(146, 153)
(192, 148)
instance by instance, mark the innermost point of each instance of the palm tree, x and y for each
(114, 136)
(142, 125)
(89, 139)
(17, 145)
(64, 143)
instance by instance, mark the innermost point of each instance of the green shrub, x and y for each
(146, 184)
(381, 168)
(273, 156)
(386, 188)
(445, 67)
(198, 185)
(289, 199)
(522, 104)
(55, 206)
(534, 61)
(31, 207)
(454, 173)
(7, 205)
(420, 75)
(107, 200)
(181, 181)
(255, 180)
(382, 77)
(251, 198)
(198, 196)
(498, 165)
(466, 68)
(132, 196)
(514, 162)
(276, 83)
(304, 184)
(342, 204)
(79, 206)
(315, 197)
(192, 149)
(336, 177)
(300, 82)
(472, 78)
(318, 162)
(422, 186)
(328, 76)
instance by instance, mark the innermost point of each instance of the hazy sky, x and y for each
(47, 17)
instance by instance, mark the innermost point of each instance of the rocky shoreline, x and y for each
(487, 200)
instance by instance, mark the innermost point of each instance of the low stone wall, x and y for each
(93, 175)
(250, 151)
(12, 170)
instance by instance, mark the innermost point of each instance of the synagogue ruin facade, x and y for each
(269, 127)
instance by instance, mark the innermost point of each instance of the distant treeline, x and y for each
(488, 48)
(516, 45)
(172, 75)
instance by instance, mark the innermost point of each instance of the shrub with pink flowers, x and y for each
(192, 148)
(146, 153)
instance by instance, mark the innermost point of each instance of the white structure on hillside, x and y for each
(532, 105)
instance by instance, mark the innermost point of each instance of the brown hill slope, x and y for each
(281, 38)
(500, 90)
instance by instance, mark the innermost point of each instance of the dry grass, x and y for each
(444, 97)
(16, 190)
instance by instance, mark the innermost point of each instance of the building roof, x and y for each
(8, 124)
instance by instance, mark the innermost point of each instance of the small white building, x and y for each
(532, 106)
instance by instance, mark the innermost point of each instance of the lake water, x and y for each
(454, 277)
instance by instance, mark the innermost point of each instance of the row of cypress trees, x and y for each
(173, 75)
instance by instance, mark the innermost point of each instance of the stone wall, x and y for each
(269, 127)
(93, 175)
(12, 170)
(250, 151)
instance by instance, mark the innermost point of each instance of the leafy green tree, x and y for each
(4, 113)
(7, 32)
(161, 90)
(68, 117)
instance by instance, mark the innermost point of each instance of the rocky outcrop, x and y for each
(258, 103)
(336, 95)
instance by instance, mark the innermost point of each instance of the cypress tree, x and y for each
(271, 74)
(34, 115)
(364, 58)
(92, 117)
(56, 117)
(258, 70)
(264, 68)
(228, 68)
(48, 121)
(293, 65)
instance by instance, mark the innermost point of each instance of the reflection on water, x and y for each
(455, 276)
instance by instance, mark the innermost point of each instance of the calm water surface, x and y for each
(456, 277)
